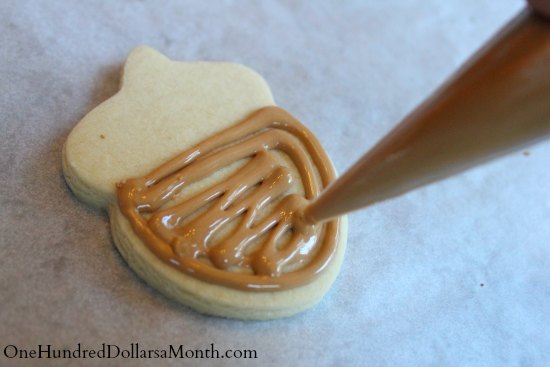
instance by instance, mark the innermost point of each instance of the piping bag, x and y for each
(498, 102)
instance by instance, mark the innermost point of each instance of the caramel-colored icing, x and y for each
(247, 230)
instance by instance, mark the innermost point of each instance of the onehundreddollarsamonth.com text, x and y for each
(133, 350)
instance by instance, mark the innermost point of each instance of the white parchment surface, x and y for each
(455, 274)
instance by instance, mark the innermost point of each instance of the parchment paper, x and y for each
(455, 274)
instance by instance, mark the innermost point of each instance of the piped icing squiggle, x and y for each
(268, 246)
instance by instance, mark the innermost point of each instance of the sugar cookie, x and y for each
(202, 176)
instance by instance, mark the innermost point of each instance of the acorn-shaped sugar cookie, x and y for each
(202, 177)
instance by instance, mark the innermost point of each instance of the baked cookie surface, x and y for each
(164, 108)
